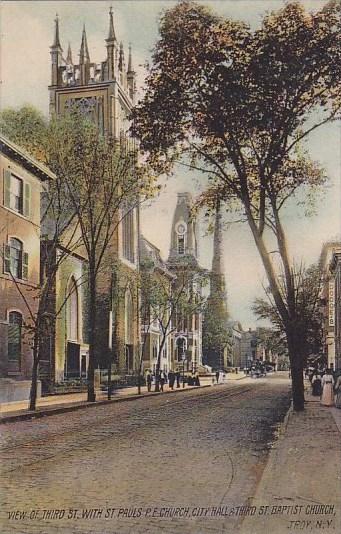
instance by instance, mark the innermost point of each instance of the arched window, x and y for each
(72, 311)
(14, 335)
(128, 234)
(129, 313)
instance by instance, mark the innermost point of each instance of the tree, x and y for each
(103, 184)
(99, 183)
(27, 127)
(308, 285)
(216, 336)
(238, 105)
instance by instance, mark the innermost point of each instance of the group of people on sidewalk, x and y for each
(171, 378)
(326, 385)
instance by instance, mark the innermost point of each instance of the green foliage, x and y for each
(27, 127)
(309, 318)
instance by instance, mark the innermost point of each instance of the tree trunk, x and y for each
(296, 365)
(34, 381)
(297, 386)
(92, 337)
(288, 316)
(157, 370)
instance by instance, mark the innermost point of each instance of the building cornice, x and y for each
(22, 157)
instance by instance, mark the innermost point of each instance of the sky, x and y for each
(26, 30)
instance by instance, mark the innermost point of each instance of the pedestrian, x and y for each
(162, 381)
(177, 376)
(171, 379)
(327, 398)
(338, 393)
(196, 379)
(316, 385)
(149, 380)
(217, 376)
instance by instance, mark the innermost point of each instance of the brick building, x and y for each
(21, 184)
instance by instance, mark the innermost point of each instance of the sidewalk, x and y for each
(53, 404)
(301, 484)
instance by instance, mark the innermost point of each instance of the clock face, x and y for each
(181, 229)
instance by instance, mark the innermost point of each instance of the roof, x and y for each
(22, 157)
(151, 252)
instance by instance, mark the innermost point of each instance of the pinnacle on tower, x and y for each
(69, 55)
(130, 60)
(111, 34)
(84, 56)
(56, 41)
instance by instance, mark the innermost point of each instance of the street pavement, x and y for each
(177, 463)
(300, 490)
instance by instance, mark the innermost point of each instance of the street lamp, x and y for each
(183, 357)
(109, 354)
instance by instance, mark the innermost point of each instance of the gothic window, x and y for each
(90, 107)
(129, 316)
(128, 235)
(14, 336)
(72, 311)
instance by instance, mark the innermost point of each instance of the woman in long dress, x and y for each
(327, 398)
(338, 393)
(316, 384)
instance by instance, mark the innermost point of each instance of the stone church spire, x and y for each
(216, 331)
(111, 34)
(56, 55)
(69, 56)
(56, 41)
(218, 286)
(84, 56)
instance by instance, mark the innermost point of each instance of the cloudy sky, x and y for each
(26, 34)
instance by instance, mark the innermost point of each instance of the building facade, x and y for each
(156, 333)
(21, 185)
(183, 262)
(327, 299)
(335, 272)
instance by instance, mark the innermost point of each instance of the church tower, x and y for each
(183, 260)
(216, 329)
(184, 233)
(104, 92)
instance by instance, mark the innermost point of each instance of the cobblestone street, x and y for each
(126, 468)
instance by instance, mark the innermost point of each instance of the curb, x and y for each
(64, 409)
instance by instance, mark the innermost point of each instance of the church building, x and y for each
(104, 93)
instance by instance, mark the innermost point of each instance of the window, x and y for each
(17, 194)
(181, 244)
(129, 315)
(14, 336)
(72, 311)
(128, 235)
(15, 259)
